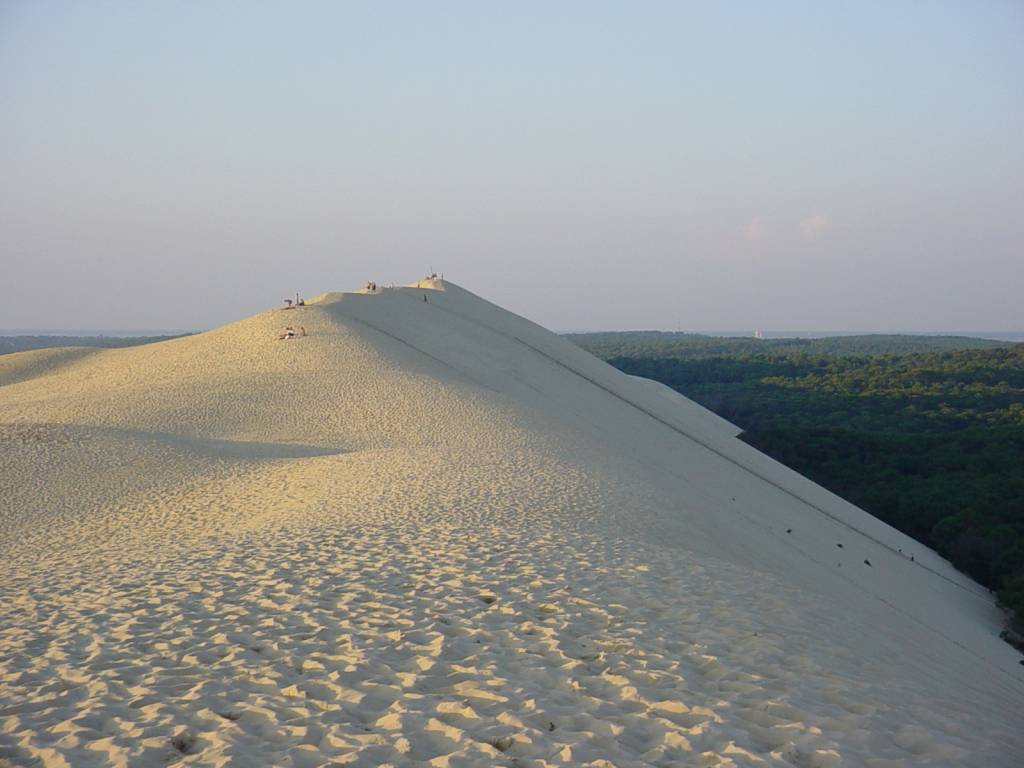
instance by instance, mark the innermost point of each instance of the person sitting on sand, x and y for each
(289, 333)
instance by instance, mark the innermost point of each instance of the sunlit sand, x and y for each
(430, 532)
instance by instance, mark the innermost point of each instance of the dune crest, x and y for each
(431, 532)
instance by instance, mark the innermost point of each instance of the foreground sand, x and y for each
(432, 533)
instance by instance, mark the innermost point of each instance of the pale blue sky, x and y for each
(590, 165)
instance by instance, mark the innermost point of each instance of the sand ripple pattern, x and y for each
(367, 634)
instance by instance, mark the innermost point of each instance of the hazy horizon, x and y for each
(1014, 336)
(793, 165)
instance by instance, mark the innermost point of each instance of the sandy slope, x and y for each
(431, 532)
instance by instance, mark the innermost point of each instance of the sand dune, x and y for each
(433, 533)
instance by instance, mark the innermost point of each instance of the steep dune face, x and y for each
(430, 531)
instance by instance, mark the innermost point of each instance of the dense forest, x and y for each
(692, 345)
(932, 442)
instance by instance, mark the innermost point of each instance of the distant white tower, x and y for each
(758, 334)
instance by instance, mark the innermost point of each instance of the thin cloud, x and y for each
(754, 229)
(813, 227)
